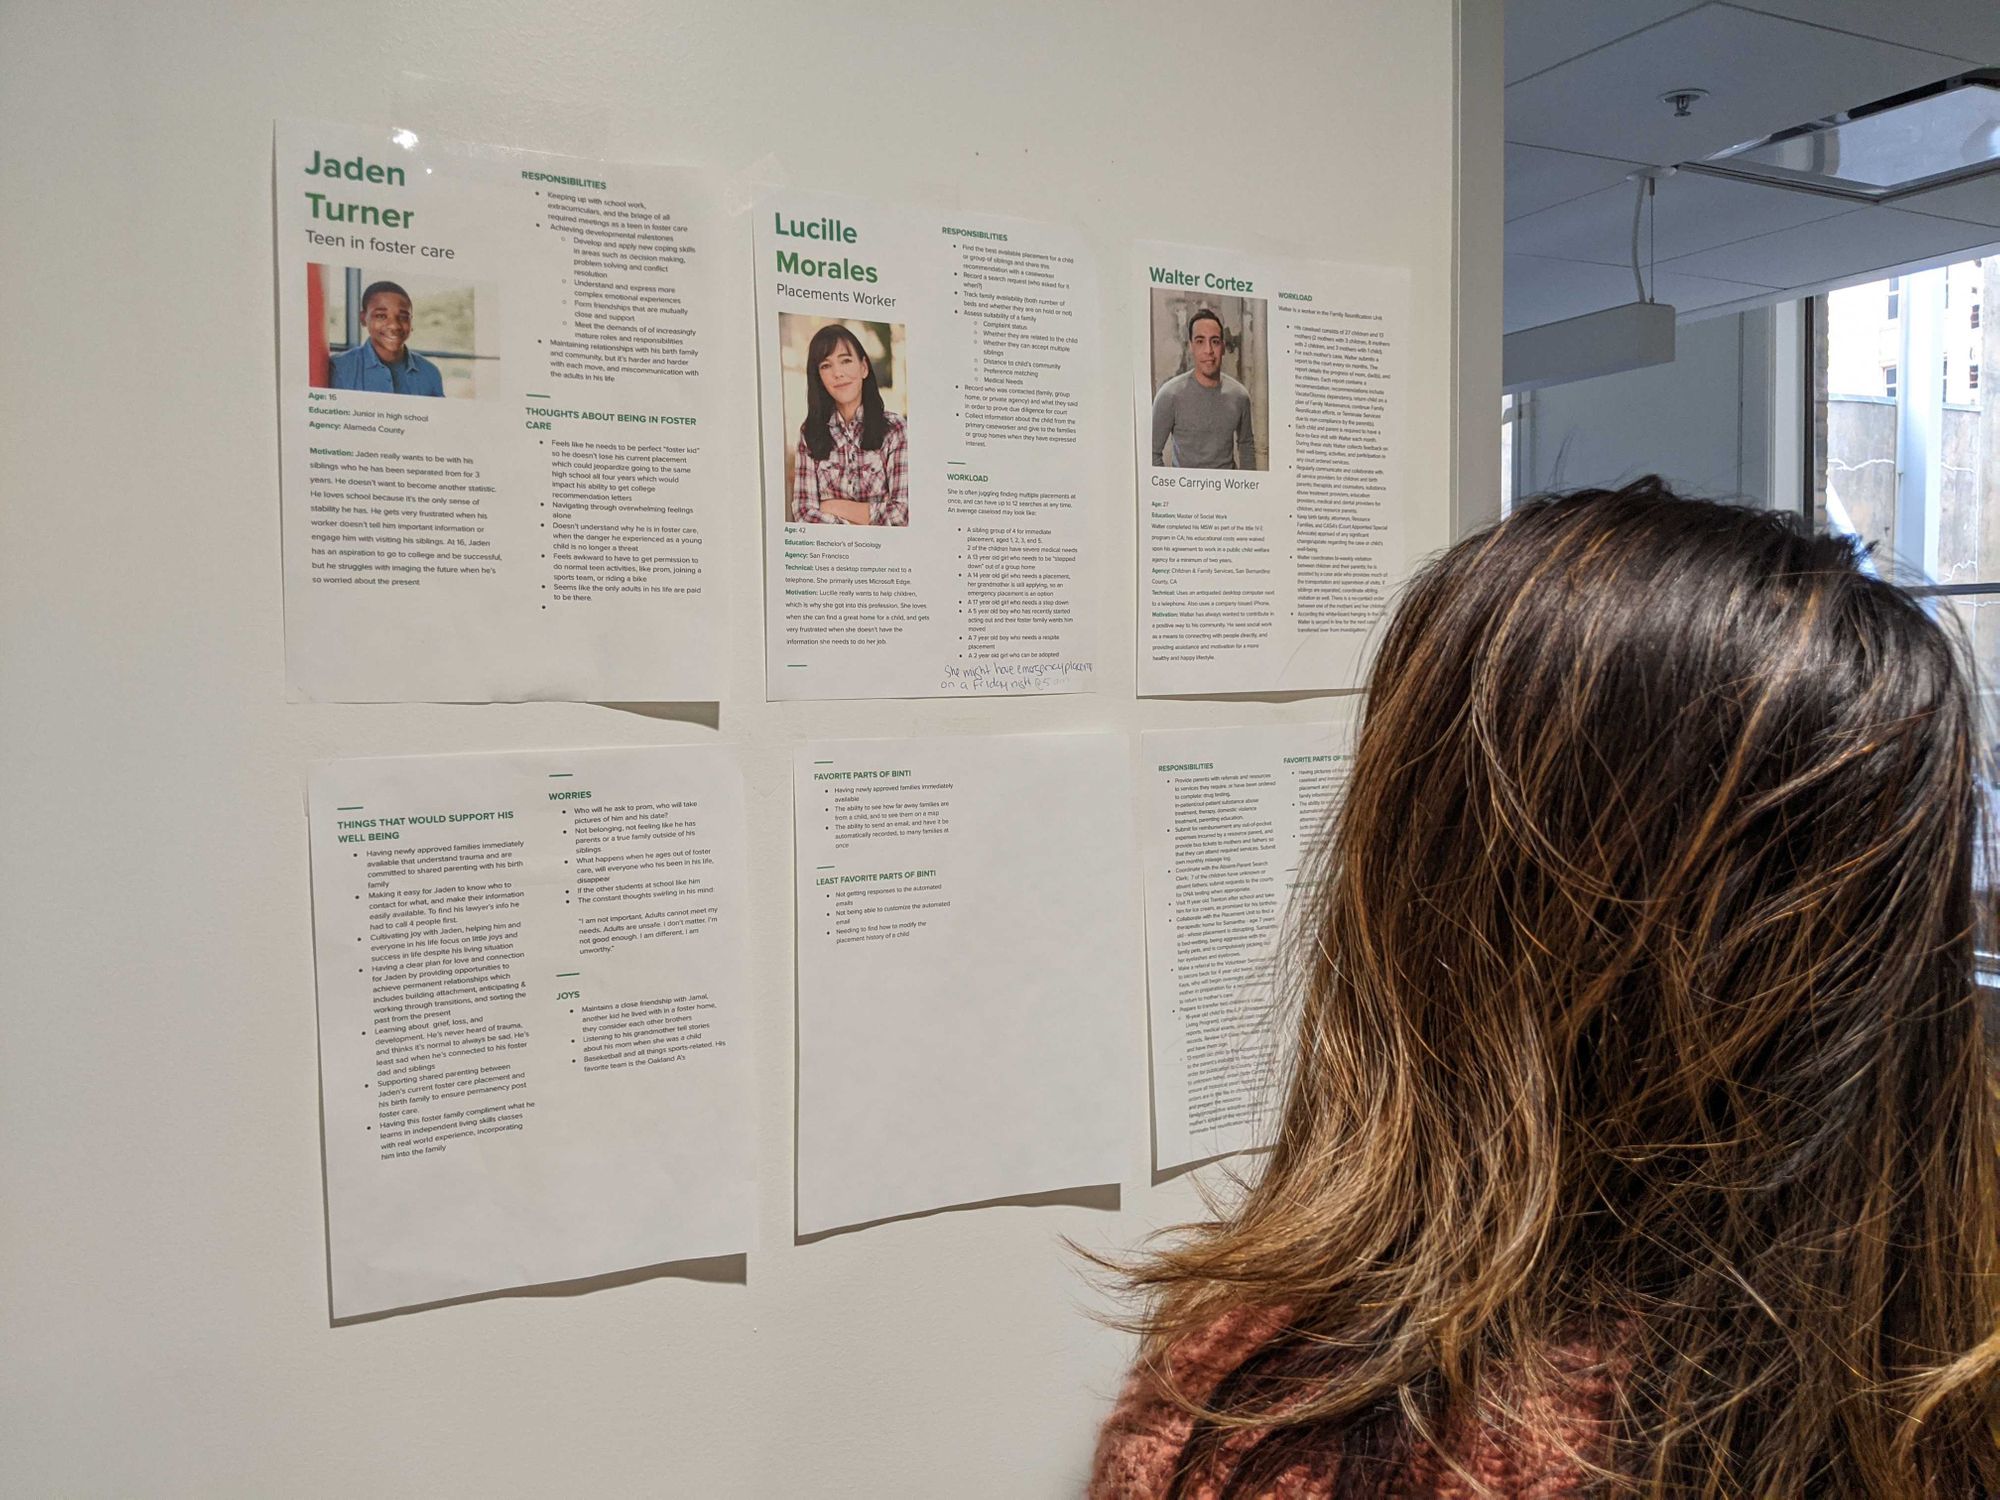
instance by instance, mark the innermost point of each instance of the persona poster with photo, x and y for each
(1271, 413)
(929, 396)
(506, 409)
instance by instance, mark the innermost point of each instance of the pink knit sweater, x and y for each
(1141, 1441)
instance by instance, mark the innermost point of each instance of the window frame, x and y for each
(1813, 398)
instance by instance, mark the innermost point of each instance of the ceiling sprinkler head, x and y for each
(1683, 100)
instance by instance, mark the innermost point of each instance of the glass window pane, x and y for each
(1911, 458)
(1860, 362)
(1975, 618)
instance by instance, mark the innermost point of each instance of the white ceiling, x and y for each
(1688, 213)
(1540, 290)
(1583, 112)
(1539, 178)
(1977, 201)
(1853, 245)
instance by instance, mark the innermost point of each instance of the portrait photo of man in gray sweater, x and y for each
(1203, 416)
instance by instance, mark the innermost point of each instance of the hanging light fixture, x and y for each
(1631, 336)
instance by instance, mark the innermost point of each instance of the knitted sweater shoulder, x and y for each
(1532, 1459)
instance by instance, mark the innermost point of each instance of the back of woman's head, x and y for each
(1637, 1007)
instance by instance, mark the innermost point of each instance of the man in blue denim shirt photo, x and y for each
(384, 361)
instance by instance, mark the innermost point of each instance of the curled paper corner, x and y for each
(741, 189)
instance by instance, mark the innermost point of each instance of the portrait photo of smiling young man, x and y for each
(383, 360)
(1202, 415)
(1210, 390)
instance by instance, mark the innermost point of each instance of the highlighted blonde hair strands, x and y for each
(1636, 1013)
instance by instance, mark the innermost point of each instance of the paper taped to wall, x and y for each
(967, 950)
(532, 1015)
(931, 415)
(1271, 410)
(506, 400)
(1231, 818)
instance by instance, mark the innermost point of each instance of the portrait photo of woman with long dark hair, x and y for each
(851, 463)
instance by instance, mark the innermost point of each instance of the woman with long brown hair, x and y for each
(1638, 1139)
(852, 465)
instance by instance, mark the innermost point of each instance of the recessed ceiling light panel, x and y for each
(1946, 132)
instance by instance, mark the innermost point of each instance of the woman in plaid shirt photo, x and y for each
(852, 465)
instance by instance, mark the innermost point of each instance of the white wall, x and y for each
(163, 1309)
(1477, 286)
(1707, 422)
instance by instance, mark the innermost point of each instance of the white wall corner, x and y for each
(1478, 218)
(1786, 488)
